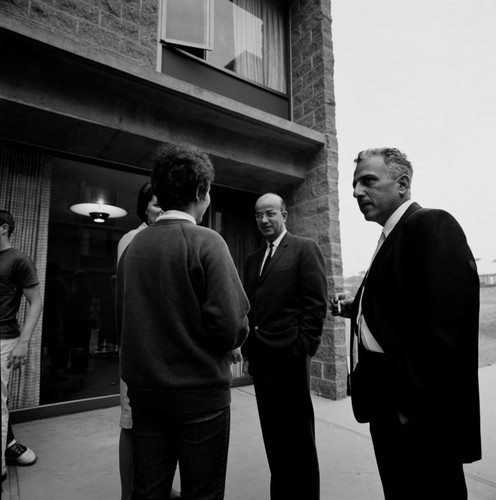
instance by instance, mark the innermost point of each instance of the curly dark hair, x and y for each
(6, 218)
(179, 175)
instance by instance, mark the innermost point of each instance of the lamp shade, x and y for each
(99, 212)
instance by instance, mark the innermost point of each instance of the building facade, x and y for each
(89, 90)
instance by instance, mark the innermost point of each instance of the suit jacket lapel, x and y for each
(277, 255)
(380, 255)
(353, 328)
(392, 235)
(258, 259)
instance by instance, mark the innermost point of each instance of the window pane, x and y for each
(80, 353)
(80, 356)
(249, 36)
(187, 22)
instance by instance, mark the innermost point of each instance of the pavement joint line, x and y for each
(338, 426)
(481, 479)
(327, 422)
(244, 391)
(367, 437)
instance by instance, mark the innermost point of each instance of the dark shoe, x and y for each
(18, 454)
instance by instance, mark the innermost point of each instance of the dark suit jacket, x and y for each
(288, 303)
(421, 304)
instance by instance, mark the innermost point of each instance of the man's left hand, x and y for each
(18, 355)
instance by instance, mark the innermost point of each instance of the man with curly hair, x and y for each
(181, 311)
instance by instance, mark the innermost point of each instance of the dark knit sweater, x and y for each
(181, 309)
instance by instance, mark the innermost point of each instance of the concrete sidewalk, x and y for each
(78, 454)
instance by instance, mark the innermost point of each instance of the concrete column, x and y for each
(313, 205)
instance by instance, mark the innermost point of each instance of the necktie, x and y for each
(267, 260)
(379, 244)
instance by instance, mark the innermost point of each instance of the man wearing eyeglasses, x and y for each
(286, 283)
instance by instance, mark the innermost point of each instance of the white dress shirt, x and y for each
(364, 332)
(176, 214)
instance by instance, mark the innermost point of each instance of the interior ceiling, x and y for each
(76, 182)
(118, 187)
(76, 172)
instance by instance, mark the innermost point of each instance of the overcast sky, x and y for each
(419, 75)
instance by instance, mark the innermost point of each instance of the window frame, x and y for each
(199, 54)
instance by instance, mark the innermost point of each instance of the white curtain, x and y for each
(274, 48)
(259, 42)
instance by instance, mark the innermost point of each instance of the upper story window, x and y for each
(248, 37)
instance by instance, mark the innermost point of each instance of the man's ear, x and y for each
(404, 184)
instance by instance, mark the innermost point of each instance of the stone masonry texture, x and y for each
(123, 28)
(313, 205)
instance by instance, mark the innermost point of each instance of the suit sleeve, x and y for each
(313, 289)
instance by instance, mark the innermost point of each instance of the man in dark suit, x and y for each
(415, 324)
(286, 284)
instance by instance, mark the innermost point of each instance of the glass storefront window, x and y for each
(80, 348)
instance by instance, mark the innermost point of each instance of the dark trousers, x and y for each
(415, 461)
(198, 441)
(288, 428)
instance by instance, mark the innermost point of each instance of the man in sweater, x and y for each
(181, 310)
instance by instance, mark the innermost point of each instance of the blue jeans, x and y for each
(198, 441)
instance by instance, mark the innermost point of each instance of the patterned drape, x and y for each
(25, 193)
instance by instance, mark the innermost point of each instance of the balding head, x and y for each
(270, 213)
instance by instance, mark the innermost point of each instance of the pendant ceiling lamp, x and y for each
(99, 212)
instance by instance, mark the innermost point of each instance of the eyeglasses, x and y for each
(270, 214)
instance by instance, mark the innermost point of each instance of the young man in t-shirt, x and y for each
(18, 277)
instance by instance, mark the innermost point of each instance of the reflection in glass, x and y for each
(188, 22)
(80, 351)
(249, 36)
(80, 348)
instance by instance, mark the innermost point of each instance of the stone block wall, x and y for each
(125, 28)
(313, 206)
